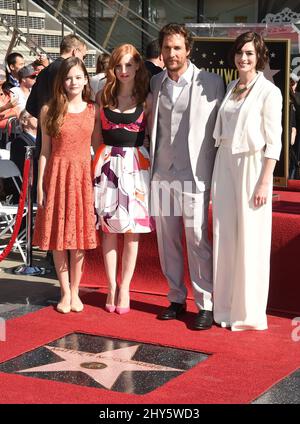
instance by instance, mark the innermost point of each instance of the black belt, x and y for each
(124, 144)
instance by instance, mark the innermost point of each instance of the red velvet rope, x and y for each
(21, 205)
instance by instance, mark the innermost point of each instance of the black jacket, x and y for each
(42, 90)
(41, 93)
(152, 68)
(17, 155)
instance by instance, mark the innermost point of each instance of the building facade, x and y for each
(98, 16)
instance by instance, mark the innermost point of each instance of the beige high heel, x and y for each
(79, 307)
(63, 309)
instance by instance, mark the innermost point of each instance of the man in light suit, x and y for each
(185, 102)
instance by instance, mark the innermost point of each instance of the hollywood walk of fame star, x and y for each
(105, 367)
(269, 73)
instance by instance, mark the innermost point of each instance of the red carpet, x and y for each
(287, 202)
(284, 206)
(148, 277)
(284, 293)
(292, 185)
(242, 366)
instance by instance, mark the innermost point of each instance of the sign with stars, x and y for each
(105, 363)
(212, 54)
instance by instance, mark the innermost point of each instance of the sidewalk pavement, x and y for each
(21, 294)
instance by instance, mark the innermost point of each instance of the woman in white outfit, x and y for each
(248, 134)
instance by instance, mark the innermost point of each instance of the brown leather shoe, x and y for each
(173, 311)
(204, 320)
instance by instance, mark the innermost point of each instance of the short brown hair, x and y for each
(259, 45)
(171, 29)
(71, 42)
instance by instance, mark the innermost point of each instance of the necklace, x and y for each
(236, 92)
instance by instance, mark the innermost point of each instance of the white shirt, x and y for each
(21, 96)
(175, 87)
(97, 82)
(229, 116)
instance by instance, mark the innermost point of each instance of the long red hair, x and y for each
(111, 89)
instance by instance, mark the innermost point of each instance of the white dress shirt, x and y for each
(175, 87)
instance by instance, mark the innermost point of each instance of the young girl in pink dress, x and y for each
(65, 221)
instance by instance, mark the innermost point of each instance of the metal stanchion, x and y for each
(28, 268)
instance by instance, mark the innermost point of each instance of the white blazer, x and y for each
(259, 121)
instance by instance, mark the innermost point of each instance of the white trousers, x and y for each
(242, 241)
(178, 206)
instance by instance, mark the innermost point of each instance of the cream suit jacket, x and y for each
(207, 93)
(259, 122)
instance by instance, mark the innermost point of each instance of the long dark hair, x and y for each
(58, 105)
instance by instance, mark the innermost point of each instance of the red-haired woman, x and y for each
(122, 169)
(65, 219)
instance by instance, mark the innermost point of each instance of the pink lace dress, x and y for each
(67, 221)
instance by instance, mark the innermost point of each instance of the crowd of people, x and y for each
(166, 139)
(16, 81)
